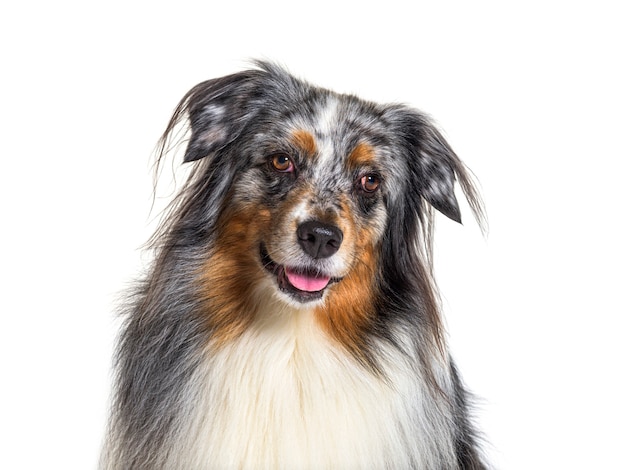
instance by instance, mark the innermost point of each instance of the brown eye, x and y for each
(370, 183)
(281, 162)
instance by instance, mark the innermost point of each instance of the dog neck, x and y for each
(285, 395)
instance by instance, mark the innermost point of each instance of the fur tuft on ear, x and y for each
(218, 112)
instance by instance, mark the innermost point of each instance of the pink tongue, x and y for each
(306, 282)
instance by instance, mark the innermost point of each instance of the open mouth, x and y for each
(303, 284)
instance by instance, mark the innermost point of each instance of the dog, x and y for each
(290, 319)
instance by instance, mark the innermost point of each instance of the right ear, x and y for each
(218, 111)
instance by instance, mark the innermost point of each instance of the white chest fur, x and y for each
(284, 396)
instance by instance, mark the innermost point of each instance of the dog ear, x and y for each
(432, 163)
(437, 165)
(218, 111)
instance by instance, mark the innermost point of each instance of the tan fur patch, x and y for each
(305, 141)
(231, 273)
(362, 155)
(348, 311)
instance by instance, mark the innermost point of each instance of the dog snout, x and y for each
(319, 240)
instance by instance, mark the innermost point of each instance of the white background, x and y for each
(530, 94)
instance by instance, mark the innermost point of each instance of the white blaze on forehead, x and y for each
(325, 124)
(327, 115)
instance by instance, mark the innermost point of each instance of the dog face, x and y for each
(308, 194)
(315, 197)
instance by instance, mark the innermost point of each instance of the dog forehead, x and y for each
(339, 129)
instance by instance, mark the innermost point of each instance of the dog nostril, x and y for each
(319, 240)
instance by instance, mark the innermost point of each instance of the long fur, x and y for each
(235, 354)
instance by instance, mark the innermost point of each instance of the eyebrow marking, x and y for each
(305, 141)
(362, 155)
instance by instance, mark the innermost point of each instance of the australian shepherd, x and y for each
(290, 319)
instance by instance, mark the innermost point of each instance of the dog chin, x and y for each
(297, 286)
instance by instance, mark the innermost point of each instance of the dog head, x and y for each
(311, 195)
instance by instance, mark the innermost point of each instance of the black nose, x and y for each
(319, 240)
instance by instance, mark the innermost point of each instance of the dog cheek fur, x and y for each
(231, 272)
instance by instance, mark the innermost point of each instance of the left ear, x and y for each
(432, 162)
(437, 165)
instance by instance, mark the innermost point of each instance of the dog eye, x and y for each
(370, 183)
(282, 163)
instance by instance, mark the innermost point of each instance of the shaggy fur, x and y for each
(290, 319)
